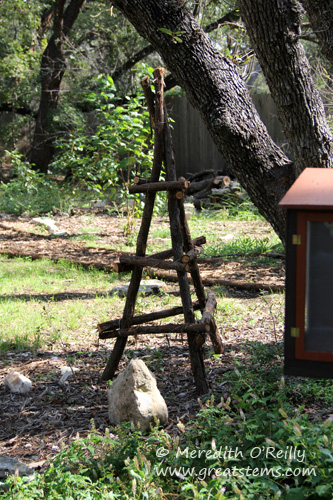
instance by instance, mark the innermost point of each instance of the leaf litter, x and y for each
(35, 426)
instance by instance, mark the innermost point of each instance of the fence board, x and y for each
(195, 149)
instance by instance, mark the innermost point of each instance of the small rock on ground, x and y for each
(148, 287)
(16, 382)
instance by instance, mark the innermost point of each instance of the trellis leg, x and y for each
(129, 308)
(188, 245)
(125, 322)
(197, 282)
(196, 352)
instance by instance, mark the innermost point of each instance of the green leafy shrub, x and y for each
(31, 192)
(118, 148)
(252, 444)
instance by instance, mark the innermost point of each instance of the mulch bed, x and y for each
(19, 237)
(36, 425)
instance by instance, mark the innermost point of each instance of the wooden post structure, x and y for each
(184, 252)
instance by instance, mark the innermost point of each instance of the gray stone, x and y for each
(9, 466)
(148, 287)
(16, 382)
(134, 397)
(97, 204)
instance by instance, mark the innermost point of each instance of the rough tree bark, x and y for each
(274, 29)
(320, 14)
(233, 15)
(53, 66)
(214, 86)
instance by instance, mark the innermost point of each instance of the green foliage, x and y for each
(175, 36)
(320, 391)
(31, 192)
(251, 444)
(102, 40)
(227, 453)
(19, 53)
(117, 150)
(240, 207)
(236, 205)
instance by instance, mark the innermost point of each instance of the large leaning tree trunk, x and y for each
(53, 66)
(274, 30)
(213, 86)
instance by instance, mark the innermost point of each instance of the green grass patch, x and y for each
(43, 303)
(240, 207)
(23, 276)
(244, 245)
(28, 325)
(84, 237)
(161, 232)
(87, 234)
(228, 236)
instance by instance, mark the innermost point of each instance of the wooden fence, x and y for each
(195, 149)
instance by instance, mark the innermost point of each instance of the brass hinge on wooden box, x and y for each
(294, 332)
(296, 239)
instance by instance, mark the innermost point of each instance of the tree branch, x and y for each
(213, 85)
(229, 18)
(274, 28)
(170, 81)
(146, 51)
(320, 13)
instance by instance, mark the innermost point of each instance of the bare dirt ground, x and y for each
(36, 425)
(21, 236)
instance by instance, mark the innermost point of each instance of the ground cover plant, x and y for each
(253, 444)
(253, 418)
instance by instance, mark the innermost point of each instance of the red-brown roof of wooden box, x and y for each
(313, 189)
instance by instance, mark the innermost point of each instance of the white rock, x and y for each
(49, 225)
(67, 371)
(134, 397)
(16, 382)
(148, 287)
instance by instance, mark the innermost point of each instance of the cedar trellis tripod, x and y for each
(184, 253)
